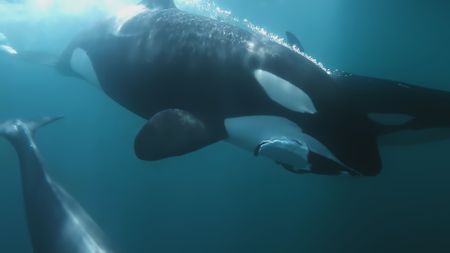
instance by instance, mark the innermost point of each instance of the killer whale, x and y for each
(56, 222)
(198, 81)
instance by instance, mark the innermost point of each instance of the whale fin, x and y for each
(294, 41)
(36, 124)
(422, 108)
(10, 128)
(172, 132)
(159, 4)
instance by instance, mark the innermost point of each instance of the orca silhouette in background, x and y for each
(56, 222)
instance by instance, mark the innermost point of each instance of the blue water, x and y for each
(222, 199)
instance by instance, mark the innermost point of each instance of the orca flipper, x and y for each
(294, 41)
(172, 132)
(8, 129)
(365, 108)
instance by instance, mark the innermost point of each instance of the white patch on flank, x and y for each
(82, 64)
(284, 92)
(8, 49)
(390, 119)
(277, 138)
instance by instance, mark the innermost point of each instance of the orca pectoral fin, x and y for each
(294, 41)
(172, 132)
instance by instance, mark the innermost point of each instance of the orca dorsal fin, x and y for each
(294, 41)
(159, 4)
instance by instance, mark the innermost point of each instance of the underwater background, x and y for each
(222, 199)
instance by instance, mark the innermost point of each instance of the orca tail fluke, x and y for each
(11, 129)
(366, 109)
(36, 124)
(395, 106)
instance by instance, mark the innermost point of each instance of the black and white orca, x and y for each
(56, 222)
(199, 81)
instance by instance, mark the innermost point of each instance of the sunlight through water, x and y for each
(49, 9)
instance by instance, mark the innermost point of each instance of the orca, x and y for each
(199, 80)
(56, 222)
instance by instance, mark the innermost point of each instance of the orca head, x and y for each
(159, 4)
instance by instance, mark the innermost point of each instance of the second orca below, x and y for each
(199, 81)
(57, 223)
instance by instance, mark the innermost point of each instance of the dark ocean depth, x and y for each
(221, 199)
